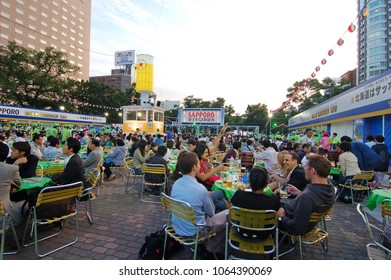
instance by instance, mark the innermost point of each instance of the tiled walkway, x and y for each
(121, 222)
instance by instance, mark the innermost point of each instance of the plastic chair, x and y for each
(88, 193)
(375, 250)
(183, 210)
(54, 204)
(251, 231)
(39, 171)
(156, 171)
(359, 183)
(53, 169)
(247, 159)
(6, 222)
(101, 169)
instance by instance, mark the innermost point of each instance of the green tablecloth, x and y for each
(172, 165)
(335, 171)
(218, 185)
(34, 182)
(377, 197)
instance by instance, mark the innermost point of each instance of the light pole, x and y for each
(270, 122)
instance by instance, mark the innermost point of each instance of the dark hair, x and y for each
(249, 141)
(345, 146)
(305, 145)
(120, 142)
(4, 150)
(259, 178)
(236, 145)
(36, 136)
(296, 146)
(178, 145)
(170, 144)
(274, 146)
(308, 129)
(73, 144)
(54, 141)
(369, 138)
(321, 164)
(266, 143)
(379, 138)
(141, 146)
(95, 142)
(153, 144)
(161, 151)
(186, 162)
(23, 147)
(192, 142)
(200, 150)
(294, 156)
(346, 139)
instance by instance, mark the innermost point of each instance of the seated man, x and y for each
(319, 196)
(189, 190)
(20, 156)
(37, 147)
(94, 157)
(158, 159)
(74, 169)
(53, 151)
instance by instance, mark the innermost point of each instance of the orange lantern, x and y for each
(317, 68)
(340, 42)
(323, 61)
(331, 52)
(351, 27)
(313, 75)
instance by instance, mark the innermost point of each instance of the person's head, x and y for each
(346, 139)
(120, 142)
(141, 146)
(249, 142)
(93, 144)
(335, 134)
(309, 132)
(170, 144)
(379, 138)
(188, 162)
(236, 145)
(306, 148)
(280, 157)
(266, 143)
(345, 146)
(258, 178)
(202, 151)
(154, 147)
(71, 146)
(54, 142)
(161, 151)
(325, 134)
(297, 147)
(4, 150)
(38, 139)
(179, 145)
(370, 138)
(317, 165)
(191, 145)
(20, 149)
(313, 149)
(291, 160)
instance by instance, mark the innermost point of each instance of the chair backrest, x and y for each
(363, 175)
(93, 177)
(54, 169)
(178, 208)
(1, 209)
(247, 158)
(255, 220)
(59, 193)
(153, 168)
(39, 171)
(128, 162)
(364, 217)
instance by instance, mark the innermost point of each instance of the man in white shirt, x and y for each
(37, 147)
(268, 156)
(307, 138)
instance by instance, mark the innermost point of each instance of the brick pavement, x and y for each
(121, 221)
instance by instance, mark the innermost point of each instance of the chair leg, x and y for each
(89, 210)
(301, 248)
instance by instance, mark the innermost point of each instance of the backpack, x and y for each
(152, 249)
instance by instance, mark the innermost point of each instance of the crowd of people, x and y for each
(302, 165)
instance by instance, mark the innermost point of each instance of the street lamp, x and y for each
(62, 108)
(106, 114)
(270, 122)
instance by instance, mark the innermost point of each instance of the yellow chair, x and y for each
(54, 204)
(101, 169)
(375, 249)
(149, 170)
(53, 169)
(39, 171)
(183, 210)
(357, 185)
(6, 222)
(88, 193)
(251, 232)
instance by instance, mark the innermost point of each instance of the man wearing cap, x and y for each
(334, 140)
(66, 133)
(53, 130)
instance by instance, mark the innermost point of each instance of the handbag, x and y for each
(109, 160)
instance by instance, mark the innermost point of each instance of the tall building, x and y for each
(374, 45)
(37, 24)
(117, 80)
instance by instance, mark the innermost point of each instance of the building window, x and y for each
(32, 27)
(19, 21)
(33, 8)
(5, 14)
(19, 31)
(5, 36)
(64, 25)
(64, 17)
(55, 12)
(63, 34)
(20, 1)
(73, 30)
(19, 11)
(44, 5)
(54, 29)
(31, 46)
(6, 4)
(72, 38)
(32, 18)
(44, 14)
(54, 20)
(43, 41)
(81, 43)
(44, 32)
(44, 23)
(55, 3)
(20, 42)
(3, 24)
(54, 37)
(64, 9)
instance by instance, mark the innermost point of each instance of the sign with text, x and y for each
(200, 116)
(124, 58)
(34, 114)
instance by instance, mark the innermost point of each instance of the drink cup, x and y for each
(229, 183)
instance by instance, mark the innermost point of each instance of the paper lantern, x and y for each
(317, 68)
(351, 27)
(308, 80)
(323, 61)
(313, 75)
(331, 52)
(340, 42)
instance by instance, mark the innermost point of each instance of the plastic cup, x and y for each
(229, 184)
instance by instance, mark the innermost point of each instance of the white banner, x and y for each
(202, 116)
(34, 114)
(124, 57)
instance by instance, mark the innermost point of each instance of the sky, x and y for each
(247, 51)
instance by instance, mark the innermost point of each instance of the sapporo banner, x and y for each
(199, 116)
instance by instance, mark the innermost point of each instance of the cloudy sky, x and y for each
(247, 51)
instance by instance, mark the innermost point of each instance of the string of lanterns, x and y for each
(351, 28)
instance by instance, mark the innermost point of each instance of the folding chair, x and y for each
(54, 204)
(247, 159)
(53, 169)
(39, 171)
(6, 222)
(251, 232)
(183, 210)
(375, 250)
(88, 193)
(101, 169)
(317, 235)
(156, 171)
(358, 185)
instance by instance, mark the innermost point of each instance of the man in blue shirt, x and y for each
(366, 157)
(159, 140)
(189, 190)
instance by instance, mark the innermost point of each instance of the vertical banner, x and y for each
(358, 130)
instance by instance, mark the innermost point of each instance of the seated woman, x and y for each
(140, 156)
(256, 200)
(22, 157)
(115, 158)
(206, 175)
(349, 168)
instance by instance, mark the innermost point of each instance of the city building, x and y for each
(36, 24)
(116, 80)
(351, 77)
(373, 38)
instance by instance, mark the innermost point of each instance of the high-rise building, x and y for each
(374, 45)
(37, 24)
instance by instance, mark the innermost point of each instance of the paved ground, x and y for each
(121, 221)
